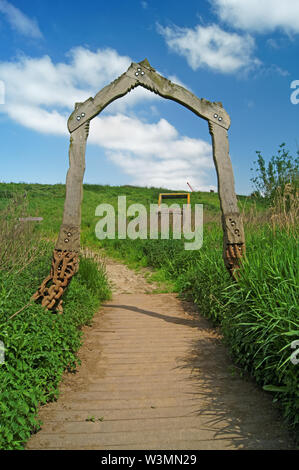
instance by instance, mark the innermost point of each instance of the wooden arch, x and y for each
(65, 257)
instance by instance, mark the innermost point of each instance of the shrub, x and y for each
(282, 170)
(39, 345)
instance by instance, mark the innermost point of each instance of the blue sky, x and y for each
(54, 53)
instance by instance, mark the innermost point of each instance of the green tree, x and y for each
(282, 169)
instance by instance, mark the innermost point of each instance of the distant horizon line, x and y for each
(119, 186)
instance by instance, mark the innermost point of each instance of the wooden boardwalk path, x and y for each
(155, 375)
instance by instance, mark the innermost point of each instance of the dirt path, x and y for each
(126, 281)
(155, 375)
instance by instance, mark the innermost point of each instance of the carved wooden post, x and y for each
(233, 232)
(65, 257)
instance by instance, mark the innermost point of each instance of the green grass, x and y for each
(39, 345)
(47, 201)
(258, 316)
(261, 317)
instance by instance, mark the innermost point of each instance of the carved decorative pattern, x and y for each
(64, 265)
(86, 127)
(232, 258)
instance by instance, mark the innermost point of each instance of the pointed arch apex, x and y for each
(145, 63)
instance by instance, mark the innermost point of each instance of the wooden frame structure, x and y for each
(65, 257)
(174, 196)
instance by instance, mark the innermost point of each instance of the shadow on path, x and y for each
(233, 407)
(193, 323)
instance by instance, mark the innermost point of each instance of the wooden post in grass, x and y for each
(65, 257)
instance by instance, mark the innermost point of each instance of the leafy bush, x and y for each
(282, 170)
(40, 345)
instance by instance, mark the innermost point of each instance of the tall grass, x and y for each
(39, 345)
(19, 241)
(285, 208)
(261, 316)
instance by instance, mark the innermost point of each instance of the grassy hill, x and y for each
(47, 201)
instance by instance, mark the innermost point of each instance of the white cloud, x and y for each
(19, 21)
(136, 96)
(40, 95)
(40, 82)
(156, 155)
(163, 174)
(276, 69)
(33, 117)
(211, 47)
(259, 15)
